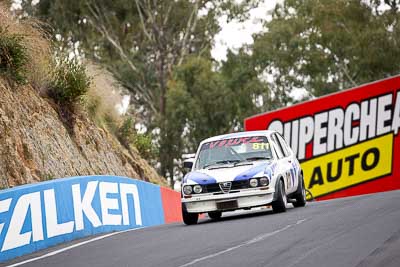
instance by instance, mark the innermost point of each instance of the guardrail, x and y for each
(37, 216)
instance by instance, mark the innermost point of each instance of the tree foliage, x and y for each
(195, 99)
(204, 102)
(325, 46)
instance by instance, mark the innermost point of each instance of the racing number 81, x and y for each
(259, 146)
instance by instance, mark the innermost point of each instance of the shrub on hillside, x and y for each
(13, 56)
(128, 136)
(70, 82)
(126, 132)
(26, 50)
(145, 146)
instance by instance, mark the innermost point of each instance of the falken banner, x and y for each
(348, 143)
(37, 216)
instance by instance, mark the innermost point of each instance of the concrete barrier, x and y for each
(37, 216)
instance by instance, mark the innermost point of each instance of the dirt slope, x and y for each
(35, 145)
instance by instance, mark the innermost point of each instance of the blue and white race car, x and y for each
(241, 171)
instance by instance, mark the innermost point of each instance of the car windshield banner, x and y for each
(255, 141)
(347, 142)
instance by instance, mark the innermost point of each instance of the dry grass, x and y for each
(104, 93)
(37, 44)
(102, 98)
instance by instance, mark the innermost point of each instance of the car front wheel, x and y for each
(188, 217)
(215, 215)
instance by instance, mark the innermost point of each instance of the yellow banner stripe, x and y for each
(349, 166)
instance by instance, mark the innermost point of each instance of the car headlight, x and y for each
(264, 181)
(197, 189)
(253, 182)
(187, 189)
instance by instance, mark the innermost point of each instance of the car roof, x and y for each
(237, 135)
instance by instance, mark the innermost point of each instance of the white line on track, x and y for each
(70, 247)
(249, 242)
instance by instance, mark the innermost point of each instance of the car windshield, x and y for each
(233, 151)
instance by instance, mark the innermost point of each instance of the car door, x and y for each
(284, 163)
(292, 163)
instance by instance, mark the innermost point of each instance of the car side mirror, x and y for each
(188, 163)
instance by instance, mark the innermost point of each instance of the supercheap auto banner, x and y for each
(348, 143)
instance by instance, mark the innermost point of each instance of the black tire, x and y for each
(279, 205)
(300, 195)
(215, 215)
(188, 217)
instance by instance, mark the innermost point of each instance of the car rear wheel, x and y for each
(300, 194)
(188, 217)
(215, 215)
(279, 205)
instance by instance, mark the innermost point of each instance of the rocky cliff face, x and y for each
(35, 145)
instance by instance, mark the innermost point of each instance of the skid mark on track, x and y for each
(249, 242)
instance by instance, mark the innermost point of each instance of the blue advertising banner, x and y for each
(34, 217)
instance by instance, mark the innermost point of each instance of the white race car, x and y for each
(241, 171)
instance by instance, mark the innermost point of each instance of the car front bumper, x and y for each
(244, 199)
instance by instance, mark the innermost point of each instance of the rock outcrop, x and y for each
(36, 145)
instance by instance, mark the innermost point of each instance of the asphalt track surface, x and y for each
(356, 231)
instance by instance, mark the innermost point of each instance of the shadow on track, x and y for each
(229, 216)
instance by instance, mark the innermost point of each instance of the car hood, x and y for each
(228, 173)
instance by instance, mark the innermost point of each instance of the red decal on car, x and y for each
(257, 139)
(222, 143)
(213, 144)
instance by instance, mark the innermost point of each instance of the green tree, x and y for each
(250, 93)
(199, 106)
(204, 101)
(325, 46)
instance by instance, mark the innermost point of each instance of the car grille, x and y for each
(240, 185)
(212, 188)
(225, 187)
(219, 188)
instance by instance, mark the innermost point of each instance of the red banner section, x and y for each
(171, 201)
(348, 143)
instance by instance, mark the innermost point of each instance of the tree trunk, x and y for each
(166, 158)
